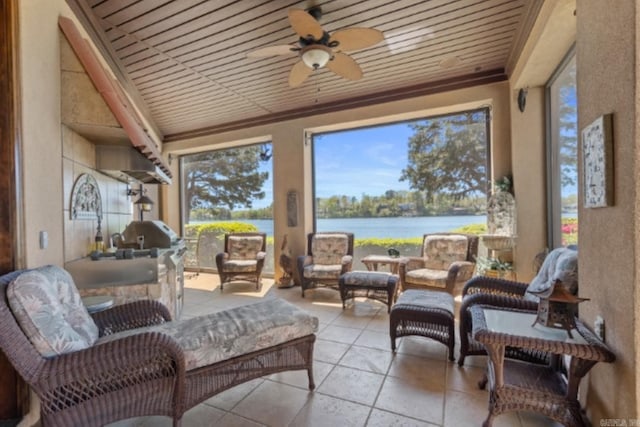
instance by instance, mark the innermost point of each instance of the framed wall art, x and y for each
(292, 209)
(597, 162)
(86, 201)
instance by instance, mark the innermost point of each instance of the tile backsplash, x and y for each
(78, 157)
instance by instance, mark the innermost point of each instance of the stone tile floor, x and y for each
(359, 381)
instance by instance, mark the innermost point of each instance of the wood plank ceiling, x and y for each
(187, 59)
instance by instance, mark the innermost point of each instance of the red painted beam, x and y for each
(113, 95)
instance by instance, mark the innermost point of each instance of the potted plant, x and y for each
(494, 267)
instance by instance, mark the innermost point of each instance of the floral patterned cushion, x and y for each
(427, 277)
(329, 248)
(319, 271)
(244, 247)
(49, 309)
(230, 333)
(560, 264)
(441, 250)
(240, 266)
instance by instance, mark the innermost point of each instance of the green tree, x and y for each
(221, 180)
(367, 208)
(418, 199)
(448, 155)
(568, 132)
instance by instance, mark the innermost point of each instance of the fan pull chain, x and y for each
(317, 90)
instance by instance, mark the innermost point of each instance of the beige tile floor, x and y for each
(359, 381)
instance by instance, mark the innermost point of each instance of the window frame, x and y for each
(310, 137)
(553, 173)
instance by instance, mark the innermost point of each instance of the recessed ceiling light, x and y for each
(450, 62)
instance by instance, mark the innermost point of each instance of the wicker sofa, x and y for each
(132, 360)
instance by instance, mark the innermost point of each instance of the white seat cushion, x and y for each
(427, 277)
(320, 271)
(240, 266)
(226, 334)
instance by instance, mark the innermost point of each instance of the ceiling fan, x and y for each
(317, 48)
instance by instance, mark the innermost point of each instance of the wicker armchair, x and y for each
(242, 259)
(329, 255)
(139, 363)
(446, 259)
(560, 264)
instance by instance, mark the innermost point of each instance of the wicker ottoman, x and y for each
(371, 284)
(424, 313)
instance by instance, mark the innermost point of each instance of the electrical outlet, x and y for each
(598, 327)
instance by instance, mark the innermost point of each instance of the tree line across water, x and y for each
(391, 204)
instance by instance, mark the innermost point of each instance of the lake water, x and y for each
(399, 227)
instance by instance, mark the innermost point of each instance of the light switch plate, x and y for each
(44, 240)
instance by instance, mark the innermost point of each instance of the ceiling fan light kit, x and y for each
(317, 48)
(316, 56)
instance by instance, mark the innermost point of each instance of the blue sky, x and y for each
(267, 186)
(359, 161)
(367, 160)
(353, 162)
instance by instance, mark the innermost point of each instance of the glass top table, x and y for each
(517, 385)
(522, 324)
(97, 303)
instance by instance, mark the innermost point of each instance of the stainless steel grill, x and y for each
(149, 254)
(152, 234)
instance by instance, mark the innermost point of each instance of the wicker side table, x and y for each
(371, 284)
(424, 313)
(372, 262)
(521, 386)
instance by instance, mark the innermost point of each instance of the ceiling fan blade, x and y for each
(299, 74)
(284, 49)
(345, 66)
(356, 38)
(304, 24)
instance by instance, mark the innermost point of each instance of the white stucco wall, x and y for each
(39, 61)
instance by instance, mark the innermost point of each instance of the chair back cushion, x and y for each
(441, 250)
(48, 308)
(329, 248)
(244, 247)
(561, 264)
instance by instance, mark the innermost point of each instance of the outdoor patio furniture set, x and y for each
(133, 360)
(526, 365)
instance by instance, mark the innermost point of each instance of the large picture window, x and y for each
(399, 181)
(225, 191)
(562, 155)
